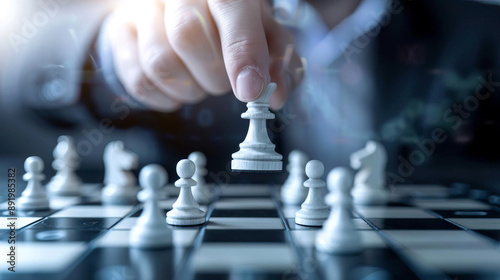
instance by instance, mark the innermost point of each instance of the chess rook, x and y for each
(202, 193)
(34, 196)
(257, 152)
(186, 211)
(293, 191)
(119, 182)
(151, 231)
(66, 161)
(369, 182)
(338, 235)
(313, 211)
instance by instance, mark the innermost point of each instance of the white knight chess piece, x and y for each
(66, 161)
(119, 183)
(369, 182)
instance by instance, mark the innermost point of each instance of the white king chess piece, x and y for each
(257, 151)
(369, 182)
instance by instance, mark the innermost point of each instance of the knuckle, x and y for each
(240, 49)
(157, 64)
(140, 86)
(223, 4)
(184, 29)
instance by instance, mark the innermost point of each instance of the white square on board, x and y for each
(244, 223)
(267, 257)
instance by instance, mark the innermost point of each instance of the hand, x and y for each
(176, 52)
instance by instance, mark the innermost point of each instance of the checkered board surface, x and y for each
(423, 233)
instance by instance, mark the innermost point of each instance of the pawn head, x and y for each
(340, 179)
(33, 164)
(198, 158)
(315, 169)
(185, 168)
(153, 176)
(297, 157)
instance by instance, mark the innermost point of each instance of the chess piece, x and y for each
(119, 182)
(162, 194)
(151, 231)
(339, 236)
(257, 152)
(293, 191)
(201, 192)
(369, 182)
(314, 211)
(66, 161)
(186, 211)
(34, 196)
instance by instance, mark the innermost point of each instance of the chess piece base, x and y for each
(256, 165)
(367, 196)
(149, 238)
(191, 217)
(64, 187)
(311, 218)
(119, 195)
(33, 203)
(342, 244)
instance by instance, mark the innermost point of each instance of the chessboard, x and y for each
(423, 232)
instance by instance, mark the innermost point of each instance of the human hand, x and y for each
(176, 52)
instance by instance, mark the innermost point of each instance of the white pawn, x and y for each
(293, 191)
(201, 192)
(151, 231)
(34, 196)
(313, 211)
(143, 194)
(339, 236)
(186, 211)
(66, 161)
(257, 151)
(369, 183)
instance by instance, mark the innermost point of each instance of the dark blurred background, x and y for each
(421, 77)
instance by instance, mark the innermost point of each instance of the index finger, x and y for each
(244, 47)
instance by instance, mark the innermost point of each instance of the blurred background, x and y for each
(421, 77)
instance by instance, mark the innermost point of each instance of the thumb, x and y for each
(244, 46)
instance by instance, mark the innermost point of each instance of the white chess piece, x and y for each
(119, 182)
(34, 196)
(186, 211)
(369, 183)
(201, 192)
(162, 194)
(338, 235)
(314, 211)
(151, 231)
(66, 161)
(293, 191)
(257, 152)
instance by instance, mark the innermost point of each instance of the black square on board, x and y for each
(424, 224)
(244, 236)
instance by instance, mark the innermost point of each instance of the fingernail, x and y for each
(249, 85)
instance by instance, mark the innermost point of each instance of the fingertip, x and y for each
(249, 84)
